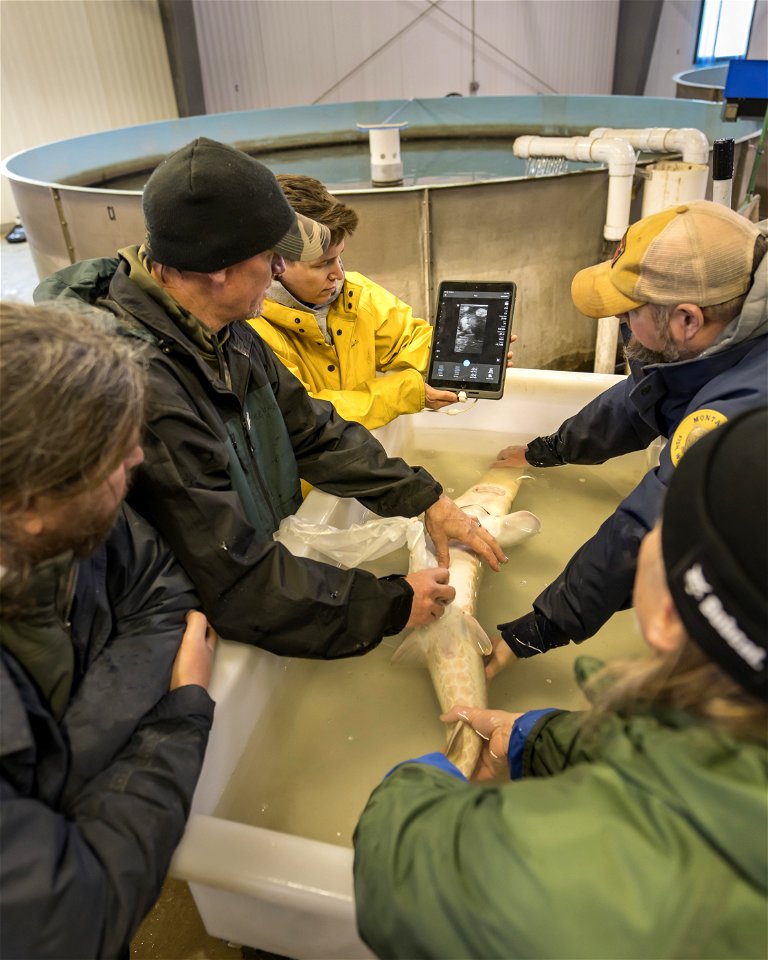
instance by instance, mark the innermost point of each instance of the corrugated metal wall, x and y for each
(274, 53)
(75, 67)
(70, 67)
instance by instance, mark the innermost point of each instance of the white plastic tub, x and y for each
(288, 894)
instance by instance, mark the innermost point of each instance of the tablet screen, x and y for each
(471, 337)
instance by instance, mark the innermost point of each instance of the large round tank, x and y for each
(701, 83)
(468, 209)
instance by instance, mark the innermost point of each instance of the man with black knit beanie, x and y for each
(230, 432)
(690, 286)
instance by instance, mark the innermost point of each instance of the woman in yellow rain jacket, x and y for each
(335, 332)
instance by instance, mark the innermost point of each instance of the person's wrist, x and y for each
(522, 636)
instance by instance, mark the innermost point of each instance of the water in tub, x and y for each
(335, 728)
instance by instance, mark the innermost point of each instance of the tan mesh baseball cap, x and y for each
(699, 252)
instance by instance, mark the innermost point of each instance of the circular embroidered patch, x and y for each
(694, 426)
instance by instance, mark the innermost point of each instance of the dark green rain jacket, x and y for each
(648, 840)
(229, 432)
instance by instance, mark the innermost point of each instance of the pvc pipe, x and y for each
(688, 141)
(384, 146)
(605, 345)
(722, 171)
(617, 154)
(620, 157)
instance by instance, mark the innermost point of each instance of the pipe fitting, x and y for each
(617, 154)
(688, 141)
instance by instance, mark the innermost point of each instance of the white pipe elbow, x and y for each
(618, 154)
(691, 143)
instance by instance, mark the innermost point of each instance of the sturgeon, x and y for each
(453, 647)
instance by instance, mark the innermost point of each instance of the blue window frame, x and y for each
(724, 29)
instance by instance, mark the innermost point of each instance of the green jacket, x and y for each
(648, 840)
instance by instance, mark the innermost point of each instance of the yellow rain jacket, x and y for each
(372, 332)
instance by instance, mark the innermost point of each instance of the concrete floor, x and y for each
(173, 929)
(18, 277)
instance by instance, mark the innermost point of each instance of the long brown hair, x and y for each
(684, 679)
(72, 398)
(72, 393)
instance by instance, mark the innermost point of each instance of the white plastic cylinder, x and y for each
(722, 191)
(606, 344)
(670, 182)
(384, 144)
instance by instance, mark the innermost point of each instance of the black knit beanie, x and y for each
(209, 206)
(714, 539)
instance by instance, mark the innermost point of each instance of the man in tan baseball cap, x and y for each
(690, 286)
(698, 251)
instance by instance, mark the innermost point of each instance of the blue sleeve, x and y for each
(520, 733)
(597, 580)
(438, 760)
(606, 427)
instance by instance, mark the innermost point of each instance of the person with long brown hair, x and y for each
(104, 660)
(638, 828)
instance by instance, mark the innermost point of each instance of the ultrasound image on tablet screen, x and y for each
(471, 336)
(470, 328)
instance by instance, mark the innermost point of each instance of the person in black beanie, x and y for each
(637, 828)
(230, 432)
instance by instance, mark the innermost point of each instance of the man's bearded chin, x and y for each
(634, 350)
(91, 537)
(82, 537)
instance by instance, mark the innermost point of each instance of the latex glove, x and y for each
(495, 727)
(445, 521)
(194, 661)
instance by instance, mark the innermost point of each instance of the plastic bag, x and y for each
(360, 542)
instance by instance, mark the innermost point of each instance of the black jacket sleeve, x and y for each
(252, 588)
(344, 458)
(597, 580)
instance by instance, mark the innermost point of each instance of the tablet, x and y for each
(470, 339)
